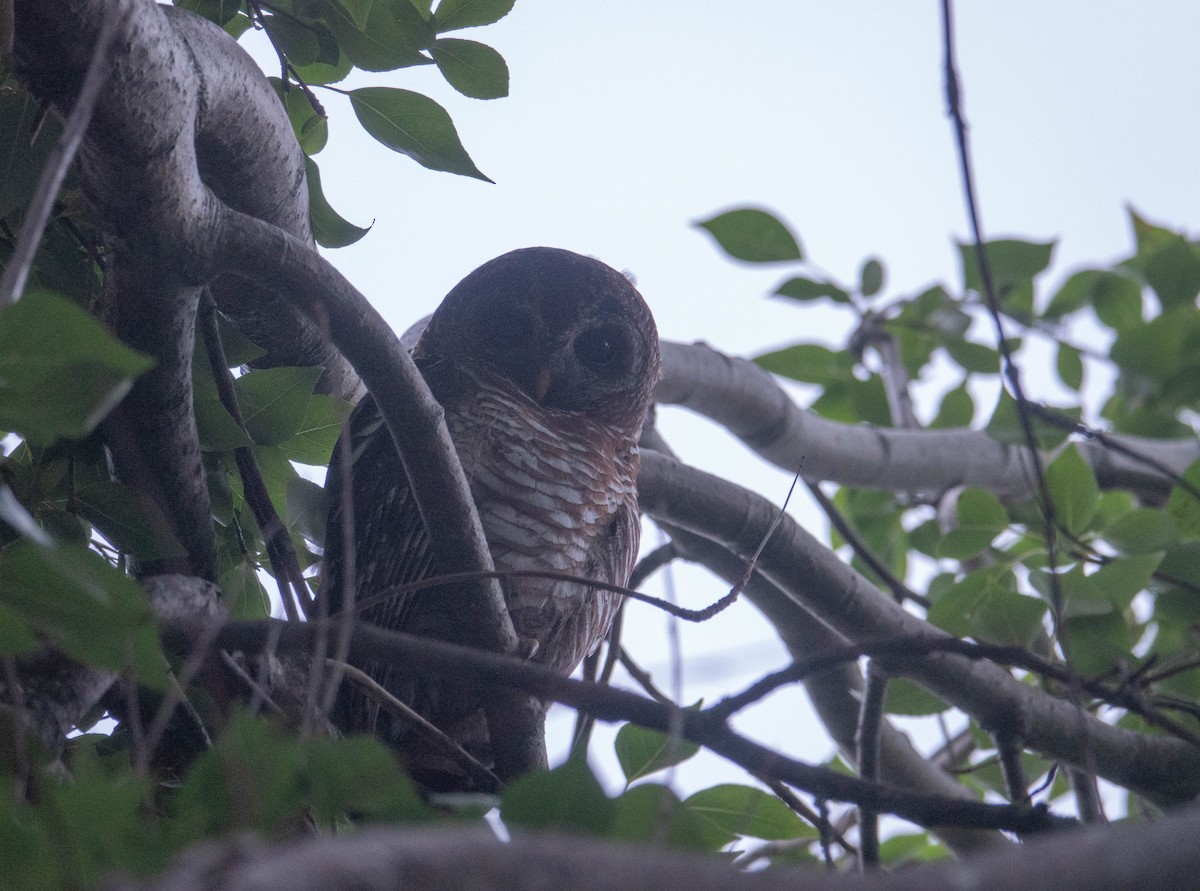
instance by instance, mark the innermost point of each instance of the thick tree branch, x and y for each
(609, 704)
(740, 396)
(836, 690)
(1165, 769)
(1150, 857)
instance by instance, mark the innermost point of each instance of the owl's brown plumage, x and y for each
(544, 361)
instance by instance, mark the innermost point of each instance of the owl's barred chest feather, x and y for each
(551, 497)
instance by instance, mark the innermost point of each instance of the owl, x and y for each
(544, 362)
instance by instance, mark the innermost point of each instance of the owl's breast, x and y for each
(551, 490)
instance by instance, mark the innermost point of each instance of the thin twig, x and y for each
(428, 731)
(16, 273)
(284, 565)
(610, 704)
(910, 647)
(858, 544)
(260, 695)
(453, 578)
(1011, 372)
(870, 723)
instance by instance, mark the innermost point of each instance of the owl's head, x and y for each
(569, 332)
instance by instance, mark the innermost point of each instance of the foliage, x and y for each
(1102, 579)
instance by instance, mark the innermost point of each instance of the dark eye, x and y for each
(604, 349)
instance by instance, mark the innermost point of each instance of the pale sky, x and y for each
(628, 121)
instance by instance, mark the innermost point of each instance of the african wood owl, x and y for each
(544, 361)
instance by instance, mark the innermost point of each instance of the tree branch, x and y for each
(746, 400)
(1164, 769)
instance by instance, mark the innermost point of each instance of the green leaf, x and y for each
(870, 278)
(328, 228)
(243, 593)
(1099, 643)
(957, 409)
(1172, 270)
(901, 850)
(1073, 490)
(128, 519)
(1005, 424)
(752, 235)
(805, 289)
(217, 429)
(1069, 364)
(958, 608)
(275, 401)
(16, 636)
(809, 362)
(903, 697)
(392, 37)
(413, 125)
(319, 431)
(973, 356)
(1012, 263)
(1184, 507)
(567, 797)
(641, 751)
(80, 604)
(219, 11)
(1075, 293)
(239, 349)
(61, 372)
(652, 813)
(359, 11)
(1142, 531)
(1122, 578)
(310, 127)
(22, 156)
(332, 63)
(297, 41)
(747, 811)
(1117, 301)
(979, 518)
(474, 69)
(452, 15)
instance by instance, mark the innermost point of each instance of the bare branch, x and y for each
(1162, 768)
(746, 400)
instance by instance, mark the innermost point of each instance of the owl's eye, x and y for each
(604, 349)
